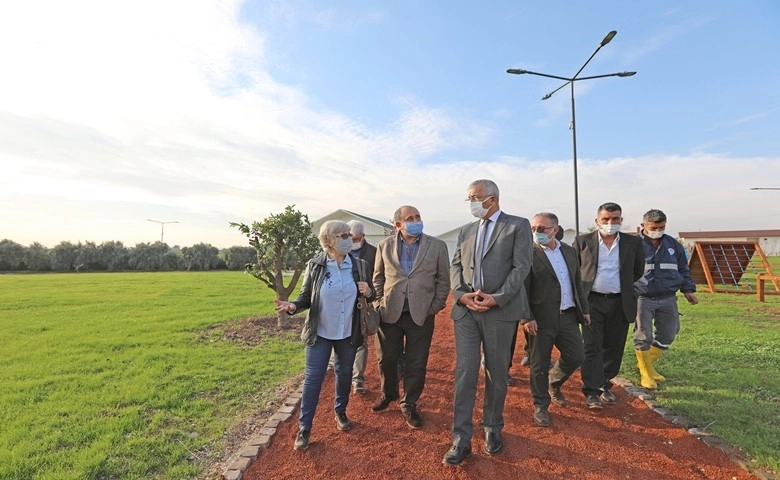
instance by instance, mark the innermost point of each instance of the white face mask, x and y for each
(477, 209)
(655, 235)
(610, 228)
(343, 246)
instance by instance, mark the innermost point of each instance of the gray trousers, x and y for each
(359, 368)
(657, 322)
(473, 335)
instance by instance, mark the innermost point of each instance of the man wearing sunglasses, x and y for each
(558, 305)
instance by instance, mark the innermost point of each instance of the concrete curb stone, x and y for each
(251, 450)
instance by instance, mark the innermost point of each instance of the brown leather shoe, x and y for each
(556, 396)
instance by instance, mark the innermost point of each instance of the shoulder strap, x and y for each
(362, 269)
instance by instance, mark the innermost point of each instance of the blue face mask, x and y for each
(414, 228)
(541, 238)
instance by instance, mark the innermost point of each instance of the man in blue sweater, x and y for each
(666, 272)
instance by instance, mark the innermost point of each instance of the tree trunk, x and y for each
(282, 320)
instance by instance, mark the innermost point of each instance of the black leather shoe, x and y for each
(383, 403)
(455, 455)
(541, 417)
(302, 439)
(493, 443)
(342, 422)
(593, 402)
(413, 419)
(608, 397)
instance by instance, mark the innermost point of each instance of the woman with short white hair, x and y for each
(331, 286)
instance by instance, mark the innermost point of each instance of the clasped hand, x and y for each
(478, 301)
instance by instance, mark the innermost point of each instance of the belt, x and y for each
(605, 295)
(568, 310)
(659, 297)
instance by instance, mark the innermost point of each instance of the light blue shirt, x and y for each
(407, 252)
(337, 300)
(608, 270)
(562, 272)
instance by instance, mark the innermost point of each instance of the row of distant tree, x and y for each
(115, 257)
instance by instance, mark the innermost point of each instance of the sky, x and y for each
(205, 112)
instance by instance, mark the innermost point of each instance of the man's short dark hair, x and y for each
(610, 207)
(654, 215)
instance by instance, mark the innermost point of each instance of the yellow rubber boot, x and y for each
(642, 361)
(655, 353)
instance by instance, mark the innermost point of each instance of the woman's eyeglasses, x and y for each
(344, 236)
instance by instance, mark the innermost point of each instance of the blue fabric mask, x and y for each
(414, 228)
(541, 238)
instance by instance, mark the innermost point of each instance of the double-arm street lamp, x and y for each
(162, 234)
(162, 227)
(573, 126)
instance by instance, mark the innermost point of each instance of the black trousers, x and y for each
(604, 339)
(563, 332)
(414, 342)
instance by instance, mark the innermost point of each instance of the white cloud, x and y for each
(112, 114)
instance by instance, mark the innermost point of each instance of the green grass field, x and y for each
(723, 371)
(111, 376)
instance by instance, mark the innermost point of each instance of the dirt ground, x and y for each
(625, 441)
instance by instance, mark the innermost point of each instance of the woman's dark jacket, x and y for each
(310, 298)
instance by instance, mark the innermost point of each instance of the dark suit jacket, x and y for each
(426, 287)
(368, 253)
(632, 266)
(505, 264)
(544, 290)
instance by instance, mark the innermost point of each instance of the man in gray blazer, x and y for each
(491, 262)
(411, 279)
(610, 263)
(558, 306)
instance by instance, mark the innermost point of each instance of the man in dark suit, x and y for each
(411, 279)
(364, 251)
(610, 263)
(491, 261)
(558, 305)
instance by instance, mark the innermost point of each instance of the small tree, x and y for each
(283, 240)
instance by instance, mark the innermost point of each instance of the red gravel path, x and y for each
(626, 441)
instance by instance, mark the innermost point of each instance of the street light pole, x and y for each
(162, 234)
(162, 227)
(573, 125)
